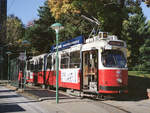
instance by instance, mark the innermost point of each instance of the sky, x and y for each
(26, 10)
(146, 11)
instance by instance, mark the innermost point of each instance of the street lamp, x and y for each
(8, 53)
(25, 44)
(57, 27)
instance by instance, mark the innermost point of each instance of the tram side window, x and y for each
(75, 59)
(54, 63)
(36, 66)
(64, 61)
(28, 65)
(40, 64)
(49, 62)
(31, 66)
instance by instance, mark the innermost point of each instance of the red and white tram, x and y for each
(104, 66)
(97, 65)
(35, 72)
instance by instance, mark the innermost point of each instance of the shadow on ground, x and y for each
(3, 91)
(9, 96)
(5, 108)
(45, 94)
(137, 89)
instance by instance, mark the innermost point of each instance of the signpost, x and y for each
(22, 56)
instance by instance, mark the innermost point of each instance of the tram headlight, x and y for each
(119, 80)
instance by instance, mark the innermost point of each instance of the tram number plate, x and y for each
(93, 86)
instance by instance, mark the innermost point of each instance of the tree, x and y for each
(147, 2)
(144, 53)
(74, 25)
(40, 34)
(135, 31)
(145, 58)
(59, 7)
(15, 32)
(110, 13)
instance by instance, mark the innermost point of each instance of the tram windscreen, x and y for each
(113, 58)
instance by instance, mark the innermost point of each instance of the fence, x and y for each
(14, 72)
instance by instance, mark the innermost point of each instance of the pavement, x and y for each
(10, 101)
(132, 106)
(71, 103)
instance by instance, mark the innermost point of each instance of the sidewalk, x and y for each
(66, 104)
(140, 106)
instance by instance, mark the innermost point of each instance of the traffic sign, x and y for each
(22, 56)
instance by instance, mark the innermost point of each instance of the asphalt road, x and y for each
(10, 101)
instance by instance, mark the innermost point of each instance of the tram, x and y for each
(97, 65)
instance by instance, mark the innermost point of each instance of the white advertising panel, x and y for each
(69, 75)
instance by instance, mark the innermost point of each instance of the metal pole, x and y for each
(57, 69)
(8, 69)
(24, 71)
(57, 27)
(21, 74)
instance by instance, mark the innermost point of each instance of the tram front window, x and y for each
(113, 58)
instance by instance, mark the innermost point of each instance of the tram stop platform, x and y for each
(43, 94)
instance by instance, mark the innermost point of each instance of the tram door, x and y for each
(90, 70)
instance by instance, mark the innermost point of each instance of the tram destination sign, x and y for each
(67, 44)
(116, 43)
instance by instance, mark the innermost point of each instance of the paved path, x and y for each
(12, 102)
(137, 106)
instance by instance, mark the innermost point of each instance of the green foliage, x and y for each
(139, 73)
(135, 31)
(145, 58)
(74, 26)
(15, 32)
(110, 13)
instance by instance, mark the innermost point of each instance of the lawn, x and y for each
(139, 74)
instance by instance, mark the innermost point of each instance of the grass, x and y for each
(139, 74)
